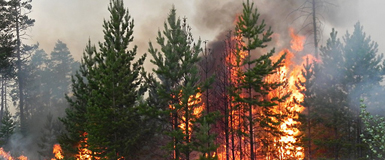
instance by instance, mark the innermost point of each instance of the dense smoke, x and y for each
(280, 16)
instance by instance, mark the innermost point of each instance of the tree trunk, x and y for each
(2, 98)
(252, 155)
(315, 30)
(19, 73)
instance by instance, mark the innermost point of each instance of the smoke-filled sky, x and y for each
(75, 21)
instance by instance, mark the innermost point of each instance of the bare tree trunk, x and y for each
(20, 77)
(2, 98)
(252, 155)
(315, 29)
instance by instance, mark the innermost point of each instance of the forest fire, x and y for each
(290, 73)
(285, 146)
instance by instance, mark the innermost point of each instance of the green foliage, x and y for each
(75, 119)
(107, 92)
(204, 141)
(8, 126)
(178, 85)
(375, 128)
(60, 68)
(349, 70)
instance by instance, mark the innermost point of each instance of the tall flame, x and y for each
(290, 73)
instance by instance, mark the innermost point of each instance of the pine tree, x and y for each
(330, 101)
(364, 72)
(306, 87)
(49, 132)
(113, 89)
(254, 86)
(204, 141)
(75, 120)
(7, 129)
(17, 14)
(176, 68)
(60, 66)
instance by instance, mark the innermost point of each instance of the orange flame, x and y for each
(22, 157)
(193, 100)
(7, 155)
(57, 151)
(297, 41)
(291, 73)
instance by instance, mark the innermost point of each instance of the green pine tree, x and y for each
(363, 73)
(177, 71)
(7, 129)
(330, 102)
(75, 120)
(204, 141)
(19, 23)
(306, 87)
(60, 67)
(113, 88)
(48, 137)
(255, 100)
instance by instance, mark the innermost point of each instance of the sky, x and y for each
(76, 21)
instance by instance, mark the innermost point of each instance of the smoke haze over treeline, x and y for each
(74, 22)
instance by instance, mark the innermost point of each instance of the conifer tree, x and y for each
(364, 71)
(75, 120)
(60, 65)
(254, 86)
(108, 92)
(18, 16)
(176, 68)
(48, 138)
(307, 89)
(8, 126)
(330, 101)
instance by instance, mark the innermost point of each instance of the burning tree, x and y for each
(259, 122)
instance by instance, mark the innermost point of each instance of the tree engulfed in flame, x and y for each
(290, 73)
(286, 146)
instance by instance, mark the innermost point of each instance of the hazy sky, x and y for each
(75, 21)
